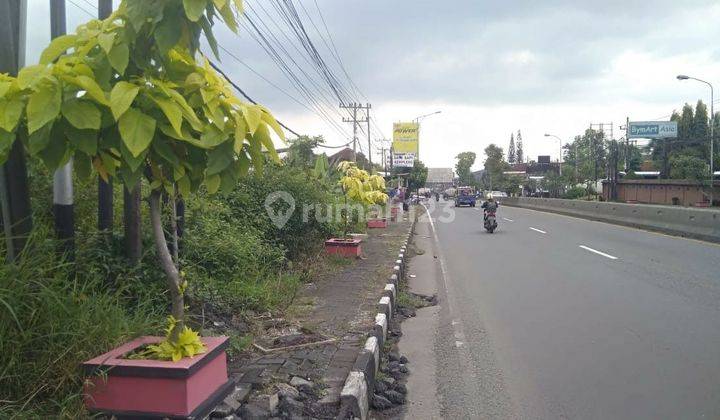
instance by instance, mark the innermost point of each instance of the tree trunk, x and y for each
(174, 230)
(166, 262)
(105, 206)
(131, 220)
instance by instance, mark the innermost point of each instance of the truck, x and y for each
(465, 197)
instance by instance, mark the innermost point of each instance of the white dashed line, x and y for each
(598, 252)
(508, 220)
(538, 230)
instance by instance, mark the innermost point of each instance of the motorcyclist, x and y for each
(489, 206)
(437, 196)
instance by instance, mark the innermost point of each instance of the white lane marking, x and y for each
(587, 248)
(508, 220)
(538, 230)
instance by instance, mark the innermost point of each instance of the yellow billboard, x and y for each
(406, 138)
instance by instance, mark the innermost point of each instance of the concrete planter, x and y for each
(379, 223)
(187, 389)
(343, 247)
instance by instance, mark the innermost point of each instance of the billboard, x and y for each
(544, 159)
(405, 138)
(653, 129)
(403, 160)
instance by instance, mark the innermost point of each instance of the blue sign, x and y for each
(653, 129)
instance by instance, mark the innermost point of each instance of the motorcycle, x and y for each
(490, 222)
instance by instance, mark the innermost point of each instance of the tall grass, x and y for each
(53, 316)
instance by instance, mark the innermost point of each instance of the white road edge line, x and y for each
(587, 248)
(508, 220)
(538, 230)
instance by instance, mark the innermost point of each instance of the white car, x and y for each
(498, 194)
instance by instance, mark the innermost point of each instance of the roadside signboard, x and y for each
(405, 138)
(403, 160)
(653, 129)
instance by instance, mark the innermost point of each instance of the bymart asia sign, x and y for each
(653, 129)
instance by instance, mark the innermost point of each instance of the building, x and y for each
(439, 179)
(680, 192)
(347, 154)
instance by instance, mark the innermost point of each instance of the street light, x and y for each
(559, 158)
(417, 120)
(712, 127)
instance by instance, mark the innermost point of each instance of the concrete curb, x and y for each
(703, 224)
(356, 395)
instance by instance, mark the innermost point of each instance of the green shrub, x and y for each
(55, 315)
(298, 237)
(575, 193)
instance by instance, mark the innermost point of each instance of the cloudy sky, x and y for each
(491, 67)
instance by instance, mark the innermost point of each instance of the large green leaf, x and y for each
(106, 41)
(262, 134)
(143, 11)
(82, 165)
(38, 140)
(121, 97)
(133, 162)
(167, 33)
(44, 105)
(5, 87)
(187, 111)
(6, 142)
(162, 147)
(81, 114)
(272, 122)
(92, 88)
(28, 76)
(194, 9)
(256, 156)
(213, 183)
(211, 137)
(228, 16)
(119, 57)
(83, 140)
(57, 47)
(172, 111)
(219, 158)
(56, 152)
(10, 112)
(253, 116)
(137, 130)
(209, 36)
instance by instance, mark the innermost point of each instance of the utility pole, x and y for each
(63, 207)
(367, 109)
(354, 120)
(105, 189)
(14, 190)
(627, 143)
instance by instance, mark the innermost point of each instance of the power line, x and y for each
(83, 9)
(239, 89)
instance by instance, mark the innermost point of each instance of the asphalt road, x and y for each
(556, 317)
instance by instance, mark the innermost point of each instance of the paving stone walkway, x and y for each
(344, 307)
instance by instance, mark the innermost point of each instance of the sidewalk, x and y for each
(340, 304)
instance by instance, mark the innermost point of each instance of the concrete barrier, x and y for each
(680, 221)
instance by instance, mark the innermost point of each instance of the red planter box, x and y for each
(187, 389)
(377, 223)
(343, 247)
(702, 204)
